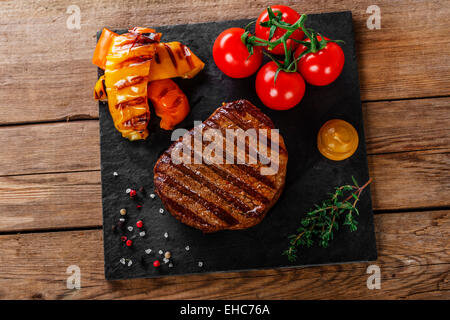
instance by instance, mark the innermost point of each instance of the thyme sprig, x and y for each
(321, 221)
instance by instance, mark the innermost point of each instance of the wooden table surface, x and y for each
(50, 192)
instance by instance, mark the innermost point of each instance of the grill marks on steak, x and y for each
(186, 215)
(211, 186)
(244, 118)
(215, 184)
(194, 195)
(219, 121)
(211, 196)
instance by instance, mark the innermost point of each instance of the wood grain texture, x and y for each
(49, 201)
(391, 127)
(73, 200)
(411, 179)
(53, 147)
(413, 257)
(403, 178)
(407, 125)
(52, 78)
(49, 176)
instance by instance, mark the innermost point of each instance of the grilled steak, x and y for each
(213, 196)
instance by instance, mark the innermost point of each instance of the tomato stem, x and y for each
(275, 21)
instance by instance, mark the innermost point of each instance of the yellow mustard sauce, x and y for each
(337, 140)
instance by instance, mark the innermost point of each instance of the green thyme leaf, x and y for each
(321, 222)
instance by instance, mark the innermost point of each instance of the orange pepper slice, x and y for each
(170, 103)
(102, 48)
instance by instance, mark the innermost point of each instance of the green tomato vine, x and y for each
(289, 64)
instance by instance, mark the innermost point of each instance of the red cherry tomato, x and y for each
(232, 56)
(322, 67)
(289, 15)
(285, 93)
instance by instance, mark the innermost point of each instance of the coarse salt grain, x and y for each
(128, 190)
(122, 260)
(115, 174)
(161, 210)
(152, 195)
(160, 252)
(200, 264)
(170, 265)
(130, 263)
(147, 251)
(130, 228)
(166, 235)
(187, 248)
(142, 233)
(166, 260)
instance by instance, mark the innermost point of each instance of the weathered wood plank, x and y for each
(51, 77)
(73, 200)
(407, 125)
(398, 126)
(48, 201)
(402, 180)
(34, 266)
(410, 180)
(54, 147)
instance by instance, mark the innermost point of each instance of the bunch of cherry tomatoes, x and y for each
(297, 53)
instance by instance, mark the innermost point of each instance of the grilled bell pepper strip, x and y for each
(174, 59)
(104, 43)
(102, 48)
(170, 103)
(100, 90)
(126, 72)
(141, 30)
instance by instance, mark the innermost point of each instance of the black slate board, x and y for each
(310, 176)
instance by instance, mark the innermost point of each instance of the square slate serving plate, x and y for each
(310, 176)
